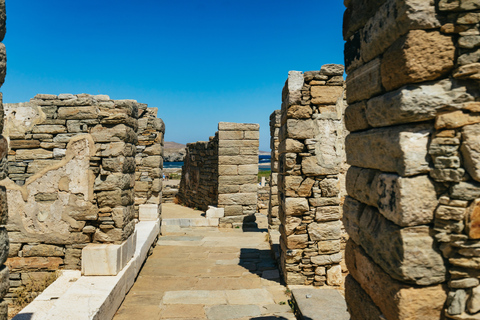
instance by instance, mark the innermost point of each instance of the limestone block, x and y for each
(236, 143)
(232, 126)
(390, 21)
(395, 299)
(332, 69)
(414, 103)
(78, 113)
(227, 170)
(298, 241)
(416, 57)
(356, 117)
(32, 154)
(326, 94)
(42, 250)
(290, 145)
(329, 246)
(291, 92)
(397, 250)
(237, 160)
(101, 259)
(248, 169)
(327, 214)
(465, 190)
(237, 198)
(33, 263)
(148, 212)
(401, 149)
(360, 305)
(472, 222)
(24, 144)
(119, 132)
(326, 259)
(470, 149)
(214, 212)
(114, 181)
(364, 82)
(296, 206)
(236, 180)
(300, 129)
(299, 112)
(330, 230)
(334, 276)
(231, 135)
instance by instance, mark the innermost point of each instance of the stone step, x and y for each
(319, 304)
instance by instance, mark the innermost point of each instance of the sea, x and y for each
(263, 163)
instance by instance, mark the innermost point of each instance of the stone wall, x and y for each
(273, 221)
(223, 172)
(311, 160)
(414, 188)
(199, 183)
(263, 198)
(149, 158)
(4, 243)
(71, 178)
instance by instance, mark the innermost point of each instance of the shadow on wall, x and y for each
(261, 263)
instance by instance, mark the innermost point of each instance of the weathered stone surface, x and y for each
(325, 230)
(354, 293)
(364, 82)
(472, 222)
(326, 94)
(465, 190)
(355, 117)
(414, 103)
(299, 112)
(300, 129)
(32, 154)
(297, 241)
(323, 214)
(473, 304)
(296, 206)
(332, 69)
(401, 149)
(42, 250)
(34, 263)
(471, 150)
(395, 299)
(327, 259)
(290, 145)
(397, 250)
(416, 57)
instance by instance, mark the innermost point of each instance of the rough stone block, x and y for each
(470, 149)
(326, 259)
(231, 126)
(365, 82)
(326, 94)
(78, 113)
(325, 231)
(401, 149)
(237, 198)
(300, 129)
(296, 206)
(397, 250)
(42, 250)
(395, 299)
(416, 57)
(366, 310)
(415, 103)
(356, 117)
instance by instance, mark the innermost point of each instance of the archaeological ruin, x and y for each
(311, 165)
(82, 170)
(413, 186)
(4, 243)
(223, 173)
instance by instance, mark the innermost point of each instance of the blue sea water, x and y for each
(263, 161)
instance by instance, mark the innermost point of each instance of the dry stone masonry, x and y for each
(4, 243)
(72, 178)
(273, 220)
(311, 162)
(414, 185)
(223, 172)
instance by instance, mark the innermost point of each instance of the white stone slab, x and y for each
(148, 212)
(101, 259)
(92, 297)
(214, 212)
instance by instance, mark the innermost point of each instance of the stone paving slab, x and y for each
(320, 304)
(205, 273)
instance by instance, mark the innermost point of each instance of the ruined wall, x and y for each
(199, 183)
(412, 90)
(238, 172)
(223, 172)
(71, 178)
(275, 121)
(311, 159)
(149, 158)
(4, 243)
(263, 198)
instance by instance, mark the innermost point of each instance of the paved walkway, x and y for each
(207, 273)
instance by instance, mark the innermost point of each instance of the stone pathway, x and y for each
(207, 273)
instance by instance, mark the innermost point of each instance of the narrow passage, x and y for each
(207, 273)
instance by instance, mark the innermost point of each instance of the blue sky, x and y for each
(200, 62)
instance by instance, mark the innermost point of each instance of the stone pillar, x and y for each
(199, 183)
(4, 241)
(149, 160)
(238, 172)
(412, 90)
(273, 221)
(311, 153)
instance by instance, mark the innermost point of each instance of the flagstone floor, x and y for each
(207, 273)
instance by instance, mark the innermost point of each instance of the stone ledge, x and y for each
(74, 297)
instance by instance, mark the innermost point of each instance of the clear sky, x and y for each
(199, 61)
